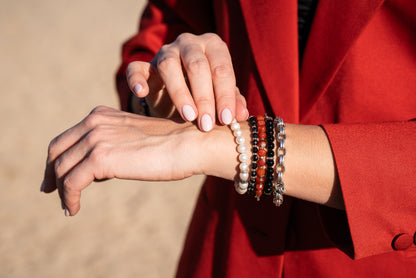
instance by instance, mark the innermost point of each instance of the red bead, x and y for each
(260, 118)
(261, 171)
(262, 128)
(260, 179)
(261, 162)
(261, 123)
(262, 152)
(262, 143)
(262, 135)
(260, 186)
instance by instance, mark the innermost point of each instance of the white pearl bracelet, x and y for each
(241, 183)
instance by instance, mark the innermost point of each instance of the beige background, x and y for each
(57, 62)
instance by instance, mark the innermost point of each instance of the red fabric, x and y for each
(357, 80)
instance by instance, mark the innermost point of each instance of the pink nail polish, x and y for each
(226, 116)
(206, 123)
(188, 112)
(137, 89)
(67, 212)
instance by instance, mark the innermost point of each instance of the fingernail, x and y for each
(206, 122)
(137, 88)
(67, 212)
(226, 116)
(188, 112)
(42, 186)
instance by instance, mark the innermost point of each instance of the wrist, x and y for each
(219, 151)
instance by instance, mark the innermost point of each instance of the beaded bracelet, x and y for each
(279, 187)
(268, 184)
(261, 163)
(241, 184)
(254, 150)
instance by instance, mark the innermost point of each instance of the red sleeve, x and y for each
(376, 165)
(161, 23)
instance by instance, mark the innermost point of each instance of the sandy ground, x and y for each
(57, 62)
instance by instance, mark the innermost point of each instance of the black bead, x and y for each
(269, 133)
(269, 170)
(267, 190)
(270, 139)
(255, 135)
(253, 173)
(254, 129)
(255, 142)
(270, 145)
(269, 177)
(255, 150)
(255, 157)
(270, 153)
(254, 166)
(268, 184)
(270, 162)
(253, 180)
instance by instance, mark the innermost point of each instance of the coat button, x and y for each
(402, 242)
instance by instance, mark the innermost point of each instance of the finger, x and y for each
(138, 74)
(169, 68)
(223, 78)
(82, 175)
(67, 139)
(199, 76)
(241, 113)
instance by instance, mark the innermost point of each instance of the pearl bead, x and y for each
(243, 185)
(240, 140)
(242, 148)
(240, 190)
(244, 176)
(244, 167)
(238, 132)
(235, 126)
(243, 157)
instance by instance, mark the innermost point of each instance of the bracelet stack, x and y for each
(263, 175)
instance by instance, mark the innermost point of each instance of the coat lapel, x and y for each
(272, 31)
(336, 26)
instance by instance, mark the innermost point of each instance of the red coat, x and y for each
(358, 80)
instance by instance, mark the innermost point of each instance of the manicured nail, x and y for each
(226, 116)
(188, 112)
(67, 212)
(137, 88)
(42, 186)
(206, 122)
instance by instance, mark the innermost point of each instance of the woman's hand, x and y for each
(195, 75)
(112, 144)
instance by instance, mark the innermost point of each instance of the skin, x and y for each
(109, 143)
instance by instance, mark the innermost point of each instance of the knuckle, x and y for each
(222, 71)
(202, 101)
(166, 62)
(211, 36)
(184, 38)
(52, 147)
(196, 65)
(58, 167)
(95, 118)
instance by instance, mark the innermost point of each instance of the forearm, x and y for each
(310, 172)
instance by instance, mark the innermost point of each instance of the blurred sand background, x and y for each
(57, 62)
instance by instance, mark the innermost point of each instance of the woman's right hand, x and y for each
(193, 74)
